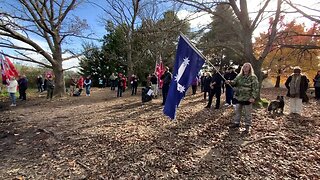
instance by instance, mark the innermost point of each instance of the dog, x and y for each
(276, 105)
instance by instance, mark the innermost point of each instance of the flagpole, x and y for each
(196, 49)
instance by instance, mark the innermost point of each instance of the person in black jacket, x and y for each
(215, 89)
(206, 85)
(316, 84)
(229, 75)
(166, 77)
(23, 86)
(297, 85)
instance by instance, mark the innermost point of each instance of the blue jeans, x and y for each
(229, 95)
(13, 98)
(88, 90)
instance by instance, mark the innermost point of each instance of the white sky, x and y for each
(204, 18)
(196, 23)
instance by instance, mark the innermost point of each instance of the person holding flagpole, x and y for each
(166, 77)
(215, 89)
(246, 89)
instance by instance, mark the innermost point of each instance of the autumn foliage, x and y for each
(295, 44)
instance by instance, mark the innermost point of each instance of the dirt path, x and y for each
(104, 137)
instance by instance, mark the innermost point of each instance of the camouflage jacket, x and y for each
(245, 87)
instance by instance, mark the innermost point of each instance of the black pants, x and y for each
(194, 89)
(317, 92)
(113, 84)
(23, 94)
(217, 92)
(165, 89)
(134, 89)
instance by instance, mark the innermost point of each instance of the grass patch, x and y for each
(262, 103)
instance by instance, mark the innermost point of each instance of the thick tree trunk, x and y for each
(249, 55)
(59, 89)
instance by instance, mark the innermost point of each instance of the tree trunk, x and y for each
(59, 89)
(129, 59)
(249, 55)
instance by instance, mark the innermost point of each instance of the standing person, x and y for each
(154, 84)
(206, 85)
(166, 77)
(124, 79)
(316, 85)
(40, 83)
(73, 84)
(215, 89)
(120, 85)
(134, 84)
(229, 75)
(45, 83)
(104, 81)
(297, 85)
(23, 86)
(12, 89)
(80, 84)
(87, 84)
(194, 85)
(50, 86)
(246, 91)
(100, 81)
(202, 81)
(113, 79)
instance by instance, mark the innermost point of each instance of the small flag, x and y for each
(187, 66)
(159, 71)
(7, 69)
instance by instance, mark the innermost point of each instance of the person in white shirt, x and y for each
(12, 89)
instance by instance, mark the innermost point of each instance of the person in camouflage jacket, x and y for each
(246, 88)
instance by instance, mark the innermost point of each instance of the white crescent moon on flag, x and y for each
(181, 70)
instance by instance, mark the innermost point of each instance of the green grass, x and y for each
(262, 103)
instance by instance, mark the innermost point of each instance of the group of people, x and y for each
(241, 90)
(120, 81)
(13, 85)
(77, 85)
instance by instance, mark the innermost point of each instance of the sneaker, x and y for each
(234, 125)
(13, 105)
(226, 104)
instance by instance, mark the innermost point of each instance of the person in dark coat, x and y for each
(50, 86)
(40, 83)
(134, 84)
(316, 84)
(120, 85)
(297, 85)
(194, 85)
(229, 75)
(215, 89)
(166, 77)
(23, 86)
(206, 85)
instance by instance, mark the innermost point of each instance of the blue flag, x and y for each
(186, 68)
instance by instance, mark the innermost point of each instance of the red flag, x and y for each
(159, 71)
(7, 69)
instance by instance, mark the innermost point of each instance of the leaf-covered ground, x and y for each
(103, 137)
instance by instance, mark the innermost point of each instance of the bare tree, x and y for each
(32, 22)
(302, 8)
(248, 25)
(124, 14)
